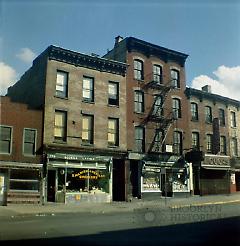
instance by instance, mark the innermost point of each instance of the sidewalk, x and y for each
(52, 209)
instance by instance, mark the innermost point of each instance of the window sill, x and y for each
(86, 101)
(59, 142)
(113, 106)
(64, 98)
(141, 113)
(87, 144)
(194, 120)
(139, 80)
(113, 146)
(32, 156)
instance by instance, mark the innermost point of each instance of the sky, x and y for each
(207, 30)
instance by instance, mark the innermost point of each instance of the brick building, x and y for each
(84, 134)
(157, 117)
(213, 129)
(20, 152)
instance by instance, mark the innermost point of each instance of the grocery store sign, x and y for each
(88, 174)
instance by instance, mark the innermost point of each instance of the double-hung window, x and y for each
(62, 84)
(157, 74)
(208, 114)
(138, 101)
(209, 141)
(113, 93)
(233, 119)
(194, 111)
(87, 129)
(113, 132)
(5, 139)
(138, 69)
(139, 139)
(221, 117)
(223, 145)
(234, 146)
(60, 125)
(29, 146)
(195, 140)
(177, 142)
(176, 106)
(175, 78)
(157, 108)
(88, 89)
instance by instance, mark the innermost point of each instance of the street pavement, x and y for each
(14, 210)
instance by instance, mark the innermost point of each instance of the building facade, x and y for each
(213, 130)
(84, 134)
(20, 153)
(157, 118)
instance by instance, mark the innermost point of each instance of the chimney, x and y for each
(207, 88)
(118, 39)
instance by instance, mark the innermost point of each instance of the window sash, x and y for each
(87, 129)
(157, 73)
(29, 141)
(233, 119)
(113, 132)
(208, 114)
(176, 108)
(60, 125)
(209, 143)
(88, 89)
(223, 145)
(195, 140)
(113, 93)
(177, 142)
(139, 139)
(175, 78)
(61, 83)
(5, 139)
(138, 69)
(138, 102)
(194, 111)
(222, 117)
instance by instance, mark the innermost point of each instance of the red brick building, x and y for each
(20, 152)
(157, 117)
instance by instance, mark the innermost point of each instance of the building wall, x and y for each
(133, 84)
(19, 116)
(75, 106)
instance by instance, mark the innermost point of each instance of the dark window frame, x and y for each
(137, 103)
(63, 138)
(194, 111)
(62, 93)
(113, 131)
(90, 90)
(6, 140)
(89, 130)
(113, 99)
(29, 142)
(139, 141)
(138, 69)
(175, 79)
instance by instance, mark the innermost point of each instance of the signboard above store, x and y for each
(216, 161)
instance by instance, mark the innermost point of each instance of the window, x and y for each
(233, 119)
(5, 139)
(138, 101)
(175, 78)
(195, 140)
(87, 129)
(62, 84)
(208, 114)
(113, 93)
(139, 139)
(221, 117)
(88, 89)
(223, 145)
(176, 104)
(157, 74)
(29, 146)
(209, 143)
(177, 142)
(60, 125)
(194, 111)
(138, 69)
(158, 140)
(158, 110)
(234, 147)
(113, 132)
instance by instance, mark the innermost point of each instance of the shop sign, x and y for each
(79, 157)
(217, 161)
(88, 174)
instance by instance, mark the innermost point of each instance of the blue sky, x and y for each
(208, 31)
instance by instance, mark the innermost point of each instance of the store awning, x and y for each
(212, 167)
(6, 164)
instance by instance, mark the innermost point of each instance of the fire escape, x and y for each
(157, 119)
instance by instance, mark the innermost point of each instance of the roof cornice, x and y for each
(83, 60)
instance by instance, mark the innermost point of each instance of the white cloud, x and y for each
(26, 55)
(8, 77)
(227, 83)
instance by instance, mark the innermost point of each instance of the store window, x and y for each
(151, 180)
(5, 139)
(84, 180)
(62, 84)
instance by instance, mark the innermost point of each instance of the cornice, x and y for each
(83, 60)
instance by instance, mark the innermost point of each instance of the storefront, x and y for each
(235, 174)
(77, 178)
(20, 182)
(165, 179)
(215, 175)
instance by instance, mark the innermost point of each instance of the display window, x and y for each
(151, 181)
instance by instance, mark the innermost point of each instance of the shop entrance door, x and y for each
(51, 185)
(118, 185)
(3, 190)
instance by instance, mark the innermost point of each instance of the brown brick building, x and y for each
(213, 130)
(84, 134)
(157, 117)
(20, 152)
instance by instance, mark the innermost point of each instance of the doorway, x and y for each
(51, 186)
